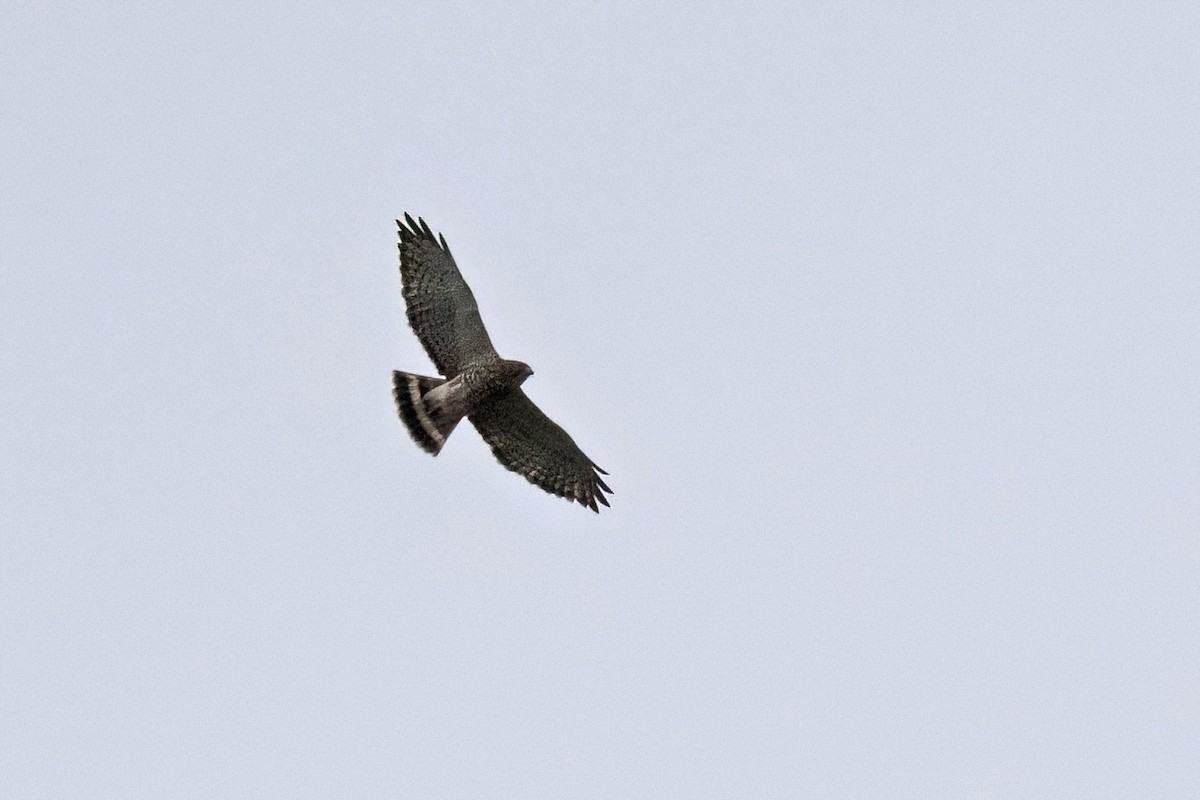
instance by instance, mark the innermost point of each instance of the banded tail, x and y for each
(427, 421)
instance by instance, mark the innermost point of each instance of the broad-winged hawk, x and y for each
(477, 383)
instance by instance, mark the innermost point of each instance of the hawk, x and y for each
(476, 382)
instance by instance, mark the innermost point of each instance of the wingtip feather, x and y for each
(425, 229)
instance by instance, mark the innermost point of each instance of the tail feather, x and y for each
(427, 427)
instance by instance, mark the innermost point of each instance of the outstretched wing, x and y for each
(526, 441)
(441, 308)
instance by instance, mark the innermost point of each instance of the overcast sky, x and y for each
(884, 322)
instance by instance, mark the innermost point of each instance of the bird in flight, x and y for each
(476, 382)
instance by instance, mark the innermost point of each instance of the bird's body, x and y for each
(437, 405)
(477, 383)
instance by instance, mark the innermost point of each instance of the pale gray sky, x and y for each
(885, 323)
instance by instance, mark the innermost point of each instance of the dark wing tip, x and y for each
(594, 494)
(411, 229)
(425, 229)
(408, 232)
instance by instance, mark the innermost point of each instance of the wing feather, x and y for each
(441, 307)
(529, 443)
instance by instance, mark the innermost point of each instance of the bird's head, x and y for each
(518, 371)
